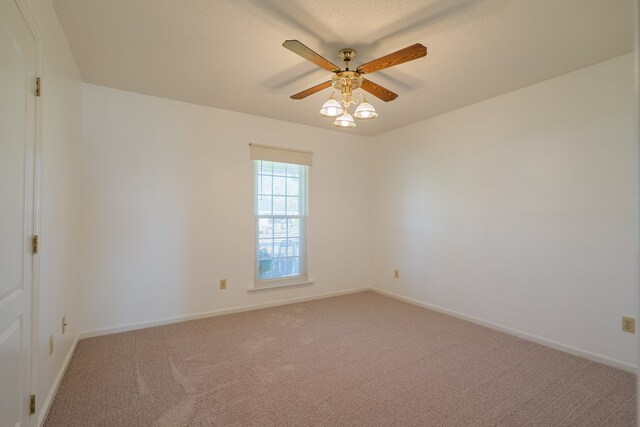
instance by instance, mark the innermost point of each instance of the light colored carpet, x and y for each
(355, 360)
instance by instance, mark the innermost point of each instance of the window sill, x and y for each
(259, 288)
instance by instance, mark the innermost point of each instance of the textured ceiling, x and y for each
(228, 53)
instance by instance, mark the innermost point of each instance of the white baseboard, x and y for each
(219, 312)
(44, 411)
(520, 334)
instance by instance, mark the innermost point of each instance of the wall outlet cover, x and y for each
(629, 324)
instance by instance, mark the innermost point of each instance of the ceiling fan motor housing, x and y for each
(346, 81)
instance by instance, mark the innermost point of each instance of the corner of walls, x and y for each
(520, 211)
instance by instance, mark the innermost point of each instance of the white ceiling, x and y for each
(228, 53)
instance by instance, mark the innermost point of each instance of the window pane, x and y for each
(279, 267)
(279, 185)
(293, 247)
(294, 228)
(264, 205)
(279, 203)
(293, 170)
(280, 248)
(265, 249)
(265, 228)
(292, 206)
(280, 228)
(265, 167)
(279, 169)
(293, 266)
(265, 269)
(265, 184)
(292, 186)
(265, 259)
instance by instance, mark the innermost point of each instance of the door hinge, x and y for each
(32, 404)
(38, 86)
(34, 243)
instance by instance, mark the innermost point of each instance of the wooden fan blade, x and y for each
(376, 90)
(296, 47)
(311, 90)
(403, 55)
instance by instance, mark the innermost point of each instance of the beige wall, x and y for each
(168, 208)
(520, 210)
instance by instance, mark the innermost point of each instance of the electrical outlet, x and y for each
(223, 283)
(396, 274)
(64, 324)
(629, 324)
(51, 345)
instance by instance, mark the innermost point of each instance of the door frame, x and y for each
(37, 191)
(636, 78)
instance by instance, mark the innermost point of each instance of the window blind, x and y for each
(280, 154)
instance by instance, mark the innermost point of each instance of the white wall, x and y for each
(168, 208)
(58, 293)
(519, 210)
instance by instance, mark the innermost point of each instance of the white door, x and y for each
(18, 55)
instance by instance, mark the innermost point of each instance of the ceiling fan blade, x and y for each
(311, 90)
(296, 47)
(403, 55)
(376, 90)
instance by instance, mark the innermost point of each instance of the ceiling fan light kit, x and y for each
(331, 108)
(365, 111)
(346, 81)
(340, 107)
(345, 121)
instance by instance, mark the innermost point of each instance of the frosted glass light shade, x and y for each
(331, 108)
(345, 121)
(365, 111)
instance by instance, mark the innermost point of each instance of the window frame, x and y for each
(303, 190)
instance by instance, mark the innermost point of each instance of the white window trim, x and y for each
(300, 280)
(258, 288)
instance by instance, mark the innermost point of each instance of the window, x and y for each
(281, 223)
(280, 205)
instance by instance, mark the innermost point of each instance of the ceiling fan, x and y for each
(345, 81)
